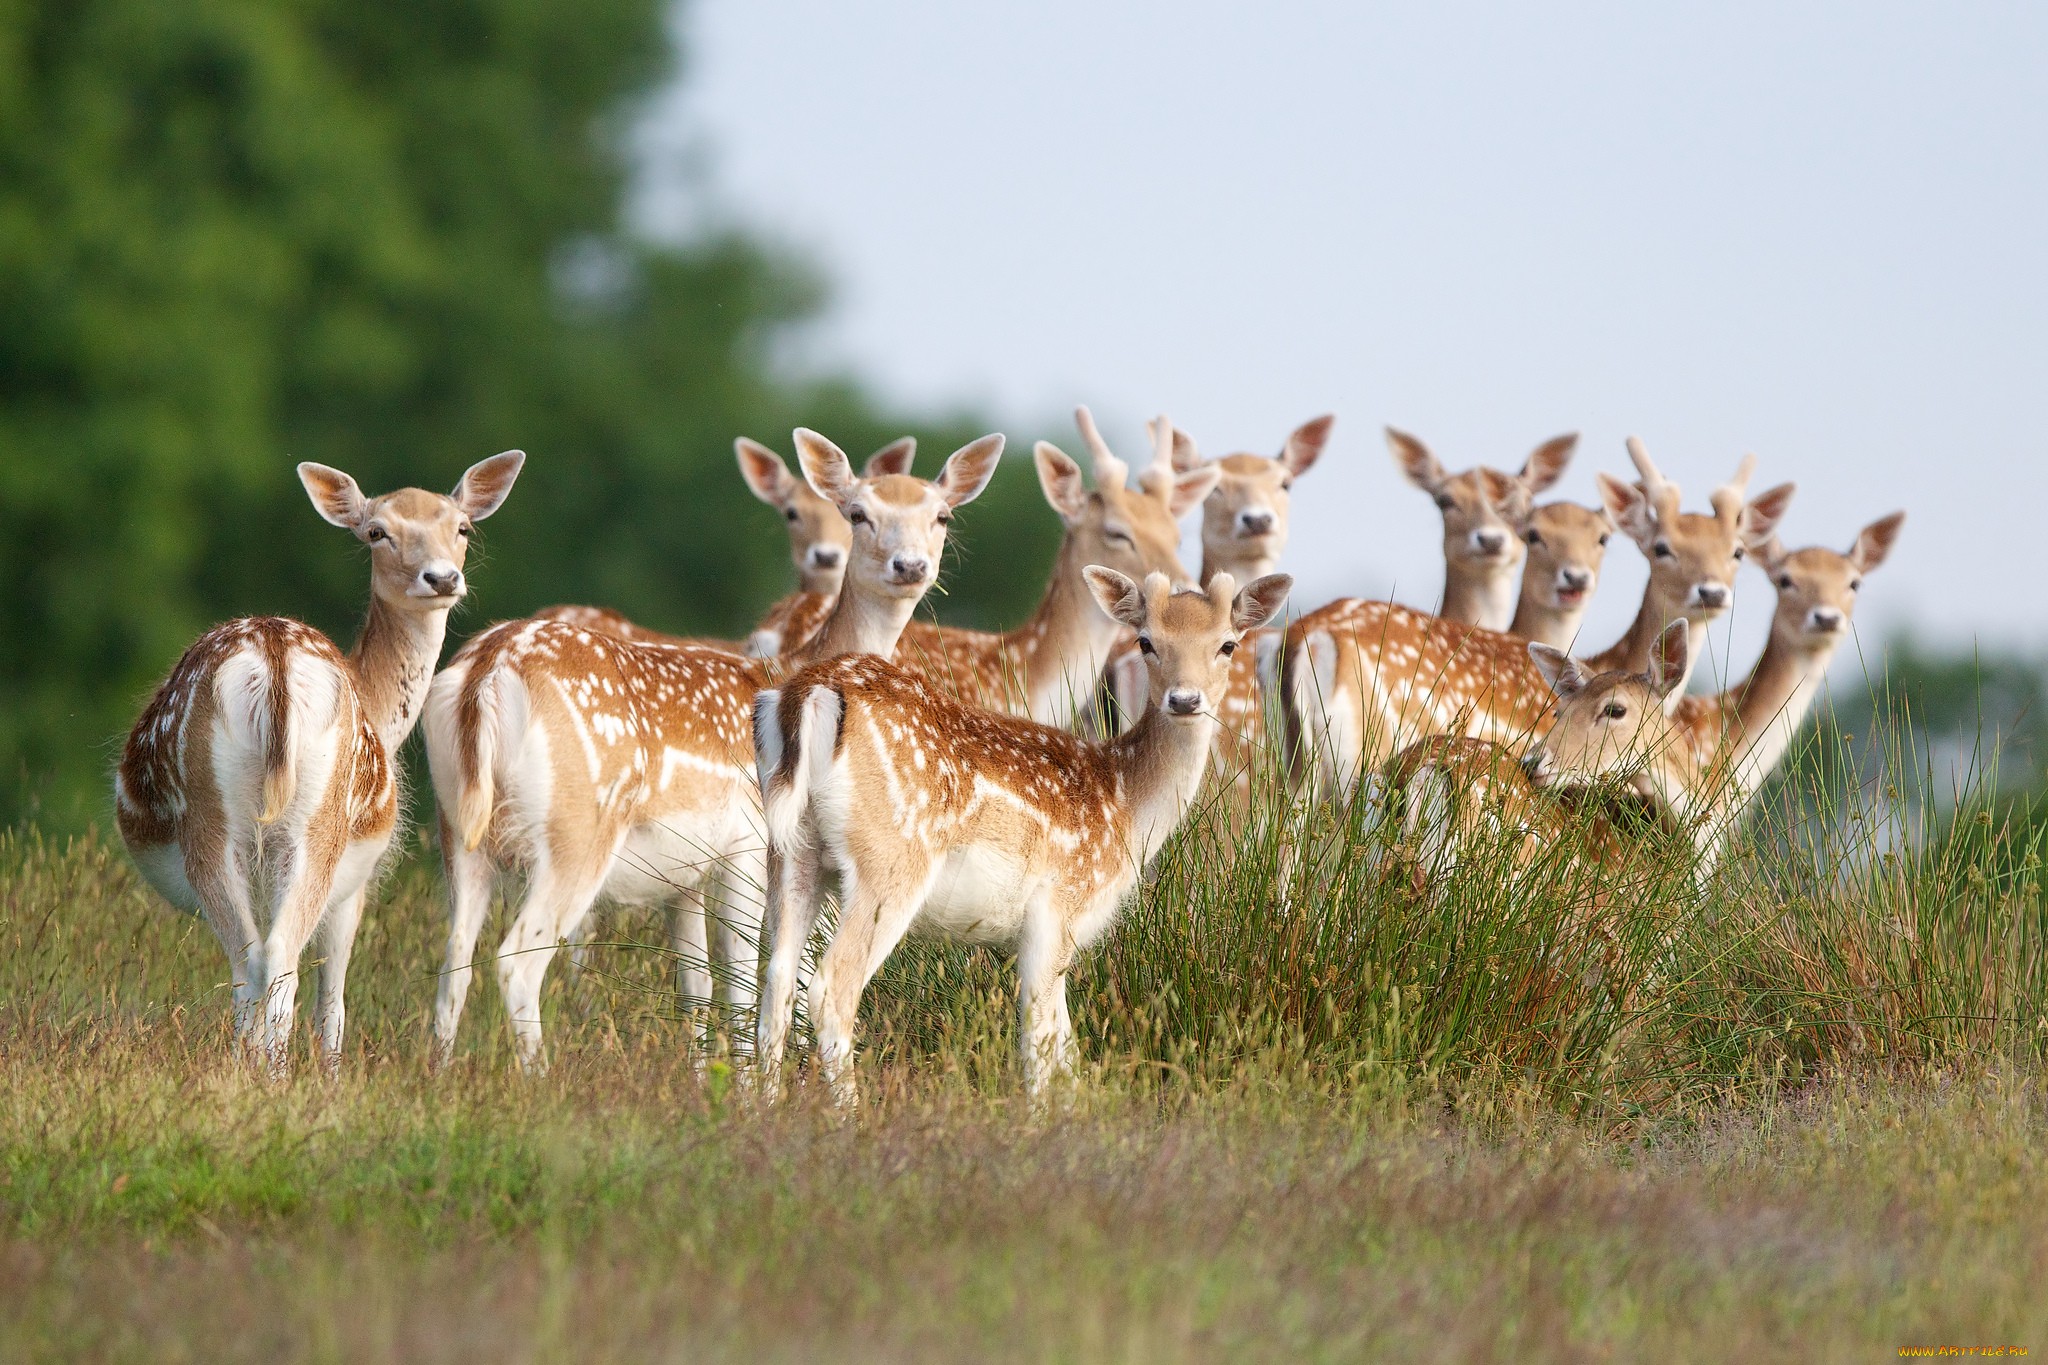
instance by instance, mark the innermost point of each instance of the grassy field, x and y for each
(1798, 1114)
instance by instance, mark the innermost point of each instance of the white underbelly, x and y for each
(658, 860)
(981, 895)
(163, 867)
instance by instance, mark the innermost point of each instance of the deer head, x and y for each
(1135, 531)
(418, 540)
(1480, 504)
(1187, 637)
(1693, 556)
(1244, 519)
(1817, 587)
(818, 535)
(896, 523)
(1614, 724)
(1566, 544)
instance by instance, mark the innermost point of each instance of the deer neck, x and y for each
(1159, 763)
(1242, 567)
(393, 663)
(1479, 597)
(862, 621)
(1631, 653)
(1062, 650)
(1553, 626)
(1763, 712)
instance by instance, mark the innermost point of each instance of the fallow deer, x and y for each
(1364, 679)
(1481, 550)
(818, 539)
(259, 787)
(612, 768)
(977, 826)
(1567, 544)
(1049, 667)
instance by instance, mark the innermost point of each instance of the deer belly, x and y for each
(662, 857)
(980, 895)
(163, 867)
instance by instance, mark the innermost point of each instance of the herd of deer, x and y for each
(957, 782)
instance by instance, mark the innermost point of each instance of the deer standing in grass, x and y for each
(624, 770)
(1482, 551)
(1364, 679)
(259, 787)
(818, 541)
(1049, 667)
(976, 826)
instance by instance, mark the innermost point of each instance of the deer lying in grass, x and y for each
(1566, 546)
(1048, 668)
(259, 787)
(818, 541)
(1482, 552)
(619, 769)
(1363, 679)
(977, 826)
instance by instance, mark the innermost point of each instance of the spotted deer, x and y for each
(1482, 553)
(1048, 667)
(1566, 545)
(624, 770)
(818, 539)
(1244, 533)
(1364, 679)
(259, 788)
(972, 825)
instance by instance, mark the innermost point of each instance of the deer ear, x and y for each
(1186, 454)
(968, 470)
(893, 458)
(485, 484)
(1565, 674)
(1760, 517)
(1305, 445)
(1874, 542)
(1259, 601)
(335, 495)
(1546, 464)
(1061, 480)
(1117, 595)
(826, 468)
(1670, 662)
(1416, 463)
(1188, 490)
(1509, 495)
(766, 475)
(1628, 508)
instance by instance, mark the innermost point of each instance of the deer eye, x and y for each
(1533, 537)
(1739, 552)
(1118, 535)
(1855, 585)
(1614, 710)
(1603, 539)
(1662, 549)
(1785, 581)
(1446, 502)
(1286, 484)
(1145, 644)
(789, 512)
(464, 530)
(945, 518)
(1229, 648)
(858, 516)
(374, 534)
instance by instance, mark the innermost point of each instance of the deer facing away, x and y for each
(258, 786)
(961, 822)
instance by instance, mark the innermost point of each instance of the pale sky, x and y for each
(1812, 232)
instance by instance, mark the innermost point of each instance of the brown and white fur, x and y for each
(1567, 544)
(623, 770)
(818, 540)
(259, 787)
(976, 826)
(1482, 553)
(1364, 679)
(1049, 667)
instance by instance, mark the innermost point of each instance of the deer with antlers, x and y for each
(1364, 679)
(1482, 552)
(818, 541)
(259, 787)
(624, 770)
(983, 827)
(1048, 668)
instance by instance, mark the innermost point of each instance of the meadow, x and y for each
(1792, 1112)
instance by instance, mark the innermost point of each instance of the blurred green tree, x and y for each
(235, 234)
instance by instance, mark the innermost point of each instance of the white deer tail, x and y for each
(1318, 720)
(791, 751)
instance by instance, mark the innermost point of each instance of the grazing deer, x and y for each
(1049, 667)
(259, 786)
(1362, 680)
(1481, 550)
(624, 770)
(1567, 544)
(818, 540)
(979, 826)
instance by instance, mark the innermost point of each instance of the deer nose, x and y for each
(1489, 542)
(1183, 701)
(442, 582)
(1712, 596)
(1254, 522)
(1536, 766)
(909, 568)
(1577, 580)
(1826, 619)
(826, 556)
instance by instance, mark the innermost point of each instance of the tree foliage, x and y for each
(235, 234)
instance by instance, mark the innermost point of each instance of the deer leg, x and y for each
(872, 921)
(468, 873)
(222, 886)
(557, 899)
(1045, 1029)
(738, 916)
(690, 945)
(338, 932)
(305, 883)
(792, 912)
